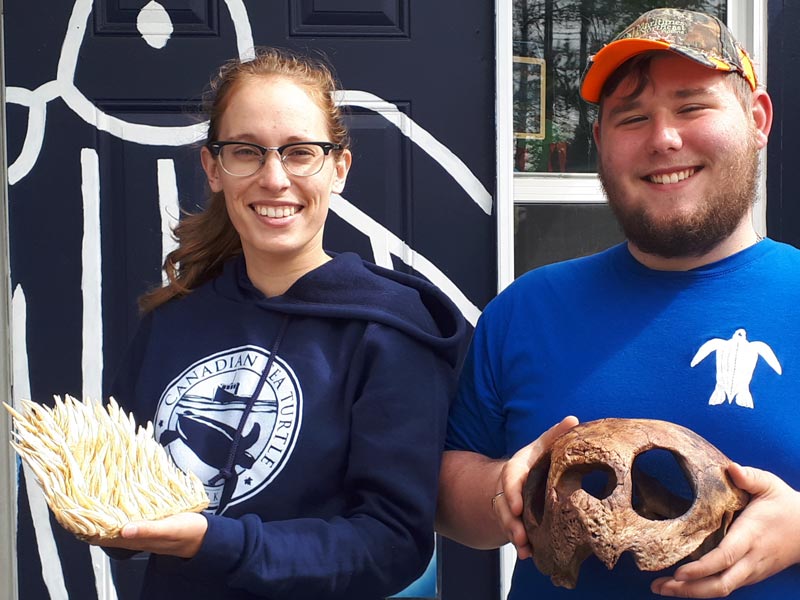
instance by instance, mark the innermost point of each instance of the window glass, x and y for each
(546, 233)
(552, 42)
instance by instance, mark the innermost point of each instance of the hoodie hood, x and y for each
(348, 287)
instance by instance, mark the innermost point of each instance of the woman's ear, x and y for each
(211, 167)
(341, 168)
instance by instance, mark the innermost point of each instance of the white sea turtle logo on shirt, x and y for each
(736, 362)
(200, 411)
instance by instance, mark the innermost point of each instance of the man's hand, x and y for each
(762, 541)
(507, 502)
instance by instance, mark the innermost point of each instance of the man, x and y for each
(619, 334)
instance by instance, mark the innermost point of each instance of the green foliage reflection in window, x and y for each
(553, 40)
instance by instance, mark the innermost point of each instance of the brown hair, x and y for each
(207, 239)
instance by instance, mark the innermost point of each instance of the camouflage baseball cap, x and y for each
(693, 35)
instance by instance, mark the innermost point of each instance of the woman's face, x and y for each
(278, 216)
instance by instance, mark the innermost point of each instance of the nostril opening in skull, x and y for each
(662, 488)
(596, 479)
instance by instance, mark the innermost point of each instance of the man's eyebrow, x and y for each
(692, 92)
(633, 104)
(624, 107)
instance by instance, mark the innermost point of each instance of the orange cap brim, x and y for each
(609, 59)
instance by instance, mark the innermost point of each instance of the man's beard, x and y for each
(701, 231)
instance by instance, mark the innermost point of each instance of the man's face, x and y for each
(678, 162)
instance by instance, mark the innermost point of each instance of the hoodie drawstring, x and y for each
(228, 472)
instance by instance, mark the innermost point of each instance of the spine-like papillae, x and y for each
(98, 470)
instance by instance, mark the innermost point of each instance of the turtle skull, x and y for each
(565, 523)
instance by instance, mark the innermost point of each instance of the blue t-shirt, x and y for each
(713, 349)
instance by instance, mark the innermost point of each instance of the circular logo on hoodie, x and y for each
(201, 417)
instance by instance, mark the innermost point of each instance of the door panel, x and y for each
(353, 18)
(102, 105)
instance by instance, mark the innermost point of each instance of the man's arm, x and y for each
(471, 508)
(467, 483)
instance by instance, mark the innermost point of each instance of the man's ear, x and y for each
(596, 133)
(211, 167)
(761, 110)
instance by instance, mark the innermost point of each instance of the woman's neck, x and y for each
(273, 275)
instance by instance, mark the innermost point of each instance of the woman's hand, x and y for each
(763, 540)
(178, 535)
(507, 503)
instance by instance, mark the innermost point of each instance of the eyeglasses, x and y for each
(242, 159)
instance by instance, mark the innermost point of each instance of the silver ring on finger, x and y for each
(495, 497)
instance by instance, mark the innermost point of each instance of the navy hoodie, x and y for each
(316, 421)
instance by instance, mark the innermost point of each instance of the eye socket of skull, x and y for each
(535, 487)
(662, 486)
(596, 479)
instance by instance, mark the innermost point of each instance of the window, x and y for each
(559, 210)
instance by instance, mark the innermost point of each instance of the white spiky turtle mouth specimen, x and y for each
(97, 470)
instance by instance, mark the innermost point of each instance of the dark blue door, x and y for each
(783, 210)
(101, 110)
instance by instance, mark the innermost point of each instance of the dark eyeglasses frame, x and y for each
(216, 147)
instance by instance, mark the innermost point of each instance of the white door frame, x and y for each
(504, 112)
(504, 192)
(8, 462)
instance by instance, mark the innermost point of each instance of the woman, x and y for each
(308, 391)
